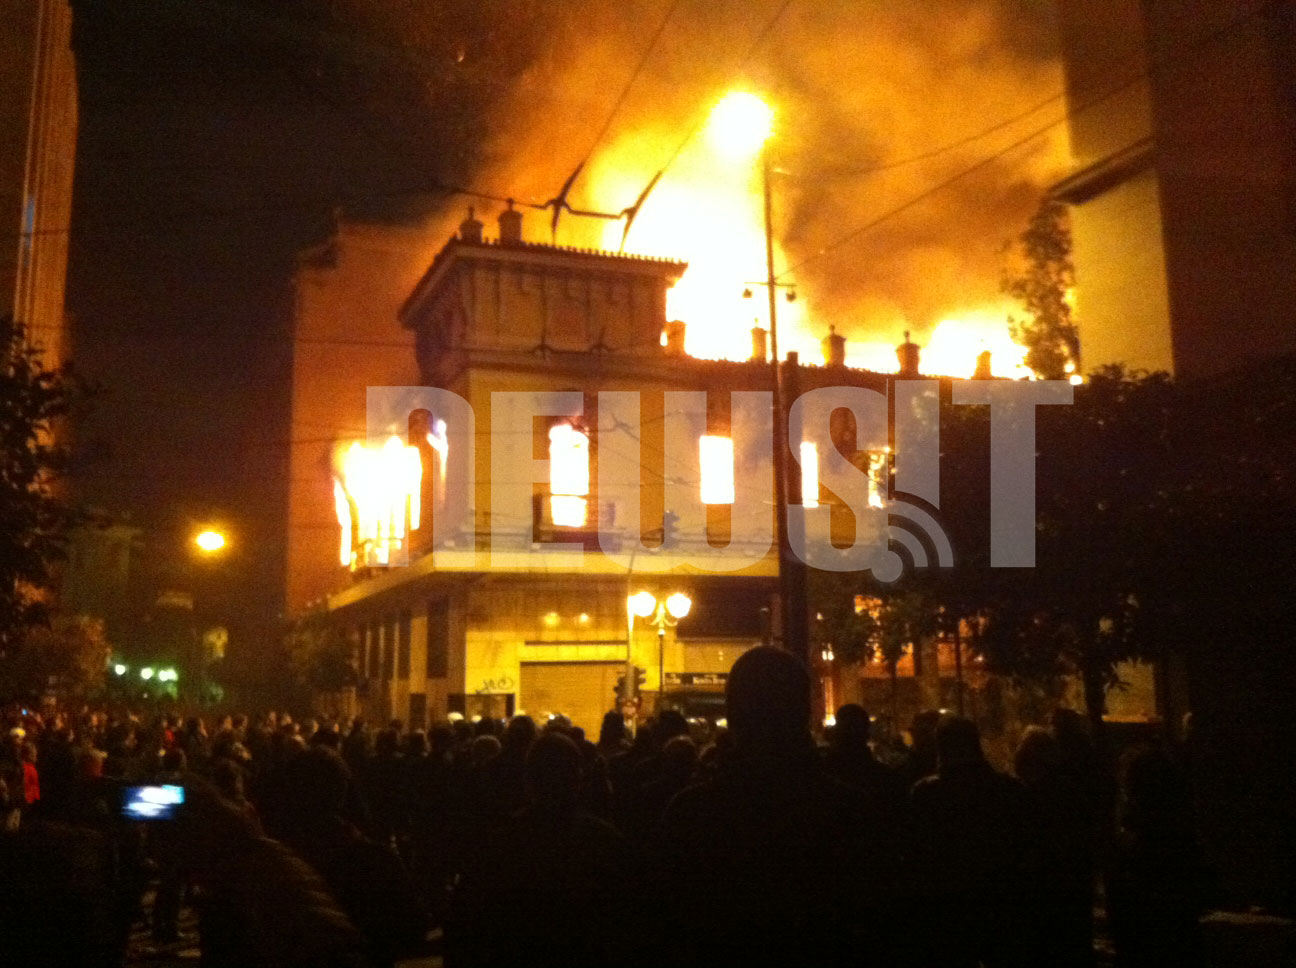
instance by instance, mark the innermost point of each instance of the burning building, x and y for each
(470, 623)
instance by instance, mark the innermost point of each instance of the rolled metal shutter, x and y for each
(582, 691)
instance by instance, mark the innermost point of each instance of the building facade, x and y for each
(346, 294)
(1183, 195)
(514, 595)
(515, 545)
(38, 130)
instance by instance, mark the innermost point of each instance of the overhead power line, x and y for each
(755, 45)
(634, 76)
(946, 148)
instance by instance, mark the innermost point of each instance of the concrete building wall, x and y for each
(346, 338)
(38, 129)
(1122, 295)
(1226, 140)
(1183, 133)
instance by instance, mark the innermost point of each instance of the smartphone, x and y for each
(152, 802)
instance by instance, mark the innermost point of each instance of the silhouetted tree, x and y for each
(320, 654)
(1042, 284)
(34, 518)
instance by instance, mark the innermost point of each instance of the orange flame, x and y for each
(708, 211)
(377, 499)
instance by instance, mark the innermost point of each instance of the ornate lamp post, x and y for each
(662, 614)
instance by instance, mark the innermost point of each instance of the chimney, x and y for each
(834, 348)
(510, 226)
(470, 229)
(759, 351)
(908, 352)
(675, 330)
(983, 367)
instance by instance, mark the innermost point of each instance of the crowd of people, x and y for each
(328, 844)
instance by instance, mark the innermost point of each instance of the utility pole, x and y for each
(792, 588)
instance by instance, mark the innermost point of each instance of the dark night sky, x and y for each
(215, 138)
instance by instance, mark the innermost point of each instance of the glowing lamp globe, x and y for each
(678, 605)
(642, 604)
(740, 123)
(209, 542)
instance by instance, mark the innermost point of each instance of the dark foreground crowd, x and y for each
(311, 845)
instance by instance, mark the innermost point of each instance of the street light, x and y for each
(662, 614)
(740, 124)
(641, 604)
(210, 541)
(679, 605)
(146, 673)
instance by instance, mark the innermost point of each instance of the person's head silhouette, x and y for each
(613, 729)
(958, 742)
(850, 727)
(553, 773)
(520, 734)
(317, 784)
(768, 700)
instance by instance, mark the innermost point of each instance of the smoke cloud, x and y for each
(866, 94)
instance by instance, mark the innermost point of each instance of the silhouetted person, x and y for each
(355, 748)
(771, 861)
(366, 878)
(165, 851)
(227, 778)
(1090, 783)
(383, 786)
(850, 760)
(920, 761)
(621, 773)
(968, 848)
(504, 781)
(613, 738)
(678, 763)
(1061, 873)
(548, 887)
(1157, 889)
(262, 904)
(430, 817)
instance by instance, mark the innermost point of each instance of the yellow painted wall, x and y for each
(1122, 298)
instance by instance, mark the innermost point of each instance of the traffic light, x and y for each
(640, 677)
(670, 532)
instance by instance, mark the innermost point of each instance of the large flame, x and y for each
(708, 211)
(377, 499)
(953, 346)
(568, 475)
